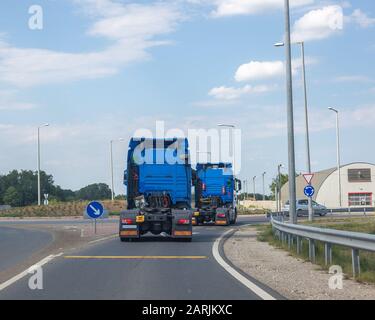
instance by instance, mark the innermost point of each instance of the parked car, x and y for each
(302, 208)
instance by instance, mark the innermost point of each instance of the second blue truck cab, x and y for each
(215, 194)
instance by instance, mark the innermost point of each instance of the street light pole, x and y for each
(308, 158)
(278, 187)
(264, 192)
(206, 152)
(290, 118)
(231, 126)
(338, 152)
(39, 189)
(254, 187)
(111, 162)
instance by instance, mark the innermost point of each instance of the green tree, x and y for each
(283, 179)
(96, 191)
(12, 197)
(25, 183)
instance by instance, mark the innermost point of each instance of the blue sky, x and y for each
(100, 69)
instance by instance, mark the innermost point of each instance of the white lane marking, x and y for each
(246, 282)
(103, 239)
(25, 273)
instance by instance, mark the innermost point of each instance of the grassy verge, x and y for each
(63, 209)
(249, 211)
(340, 255)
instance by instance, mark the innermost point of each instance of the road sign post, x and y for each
(95, 210)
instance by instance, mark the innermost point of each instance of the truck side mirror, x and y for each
(126, 177)
(193, 177)
(238, 185)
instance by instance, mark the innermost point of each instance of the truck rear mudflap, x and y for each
(222, 217)
(182, 227)
(129, 225)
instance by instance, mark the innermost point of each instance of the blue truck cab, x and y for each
(158, 179)
(215, 194)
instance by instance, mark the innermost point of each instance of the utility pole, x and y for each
(338, 157)
(255, 199)
(278, 187)
(290, 119)
(264, 191)
(111, 163)
(308, 158)
(39, 188)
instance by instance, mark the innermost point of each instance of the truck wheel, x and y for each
(124, 239)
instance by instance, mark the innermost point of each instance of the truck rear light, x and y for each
(223, 191)
(127, 221)
(203, 186)
(221, 215)
(183, 221)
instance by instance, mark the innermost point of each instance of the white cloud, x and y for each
(352, 78)
(231, 93)
(362, 19)
(319, 24)
(255, 70)
(132, 29)
(9, 102)
(247, 7)
(260, 70)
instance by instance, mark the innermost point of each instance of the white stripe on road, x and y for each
(103, 239)
(26, 272)
(246, 282)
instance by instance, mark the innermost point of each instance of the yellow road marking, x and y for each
(136, 257)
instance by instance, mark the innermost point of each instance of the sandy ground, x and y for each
(291, 277)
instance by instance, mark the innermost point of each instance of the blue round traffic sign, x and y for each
(95, 210)
(309, 191)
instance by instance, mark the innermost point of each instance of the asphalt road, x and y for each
(86, 274)
(16, 245)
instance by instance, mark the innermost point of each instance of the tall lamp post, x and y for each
(278, 187)
(254, 188)
(111, 156)
(307, 135)
(264, 191)
(204, 152)
(39, 191)
(290, 117)
(338, 151)
(232, 127)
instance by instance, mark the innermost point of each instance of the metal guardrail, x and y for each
(354, 240)
(349, 211)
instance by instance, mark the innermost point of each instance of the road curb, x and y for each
(261, 290)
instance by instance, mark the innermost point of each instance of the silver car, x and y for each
(302, 208)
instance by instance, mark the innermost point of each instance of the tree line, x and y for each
(19, 188)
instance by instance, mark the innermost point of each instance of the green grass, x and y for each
(61, 209)
(340, 255)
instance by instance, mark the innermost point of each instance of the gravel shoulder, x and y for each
(293, 278)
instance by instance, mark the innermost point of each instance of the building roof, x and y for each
(319, 178)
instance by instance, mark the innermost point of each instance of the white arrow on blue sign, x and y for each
(309, 191)
(95, 210)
